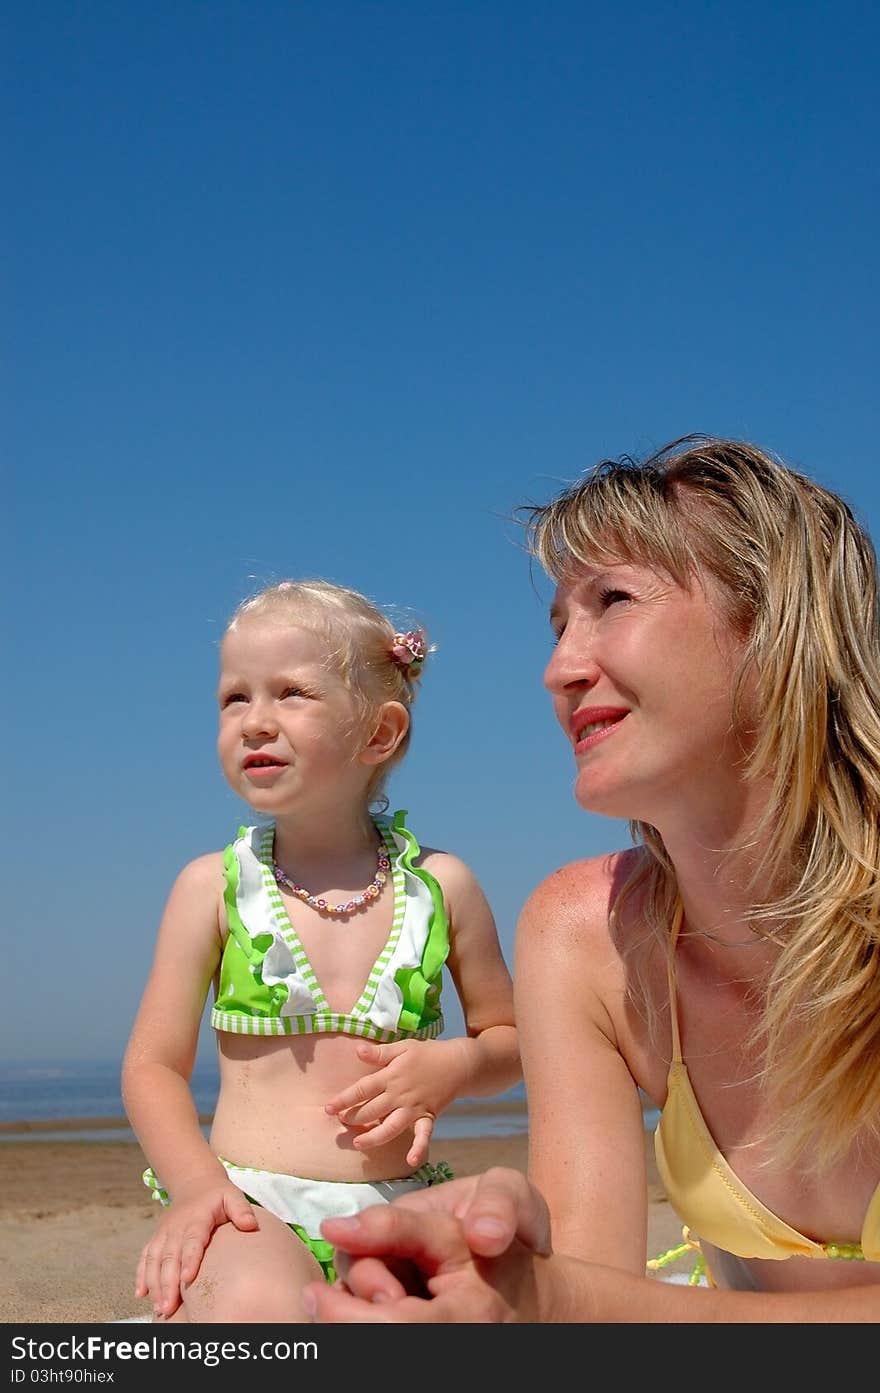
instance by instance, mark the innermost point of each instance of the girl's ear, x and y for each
(390, 728)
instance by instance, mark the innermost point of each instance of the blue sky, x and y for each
(330, 289)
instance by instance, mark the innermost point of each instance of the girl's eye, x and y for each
(292, 691)
(232, 697)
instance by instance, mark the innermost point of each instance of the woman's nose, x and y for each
(570, 665)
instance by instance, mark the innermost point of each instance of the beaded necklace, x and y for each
(372, 892)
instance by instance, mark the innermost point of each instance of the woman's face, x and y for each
(642, 680)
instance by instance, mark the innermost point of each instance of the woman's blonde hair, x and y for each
(360, 642)
(798, 577)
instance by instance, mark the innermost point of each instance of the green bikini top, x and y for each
(267, 984)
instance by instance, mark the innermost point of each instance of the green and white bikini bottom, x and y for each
(302, 1204)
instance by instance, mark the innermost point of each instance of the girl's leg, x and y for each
(251, 1277)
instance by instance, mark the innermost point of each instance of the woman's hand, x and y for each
(463, 1251)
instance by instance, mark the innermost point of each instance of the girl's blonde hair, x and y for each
(360, 639)
(798, 577)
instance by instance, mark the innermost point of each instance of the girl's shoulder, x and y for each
(194, 904)
(445, 866)
(452, 871)
(202, 872)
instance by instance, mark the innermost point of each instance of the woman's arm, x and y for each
(586, 1129)
(438, 1242)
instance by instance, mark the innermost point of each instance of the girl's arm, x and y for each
(155, 1086)
(487, 1059)
(586, 1129)
(162, 1047)
(415, 1080)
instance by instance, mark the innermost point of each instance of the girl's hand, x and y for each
(413, 1082)
(463, 1251)
(170, 1261)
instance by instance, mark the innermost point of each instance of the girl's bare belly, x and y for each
(270, 1110)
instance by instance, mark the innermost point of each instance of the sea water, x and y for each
(54, 1092)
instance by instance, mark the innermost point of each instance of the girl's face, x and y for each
(642, 680)
(289, 737)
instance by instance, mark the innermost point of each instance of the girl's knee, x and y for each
(252, 1278)
(243, 1297)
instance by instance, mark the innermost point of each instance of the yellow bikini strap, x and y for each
(678, 915)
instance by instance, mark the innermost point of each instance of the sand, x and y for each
(74, 1216)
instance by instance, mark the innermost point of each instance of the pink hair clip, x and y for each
(409, 651)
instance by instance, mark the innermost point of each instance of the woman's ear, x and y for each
(389, 730)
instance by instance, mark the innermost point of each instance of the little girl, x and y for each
(324, 930)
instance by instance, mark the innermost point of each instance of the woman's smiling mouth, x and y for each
(593, 723)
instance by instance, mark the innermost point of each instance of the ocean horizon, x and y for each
(36, 1094)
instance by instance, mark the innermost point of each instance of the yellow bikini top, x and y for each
(705, 1192)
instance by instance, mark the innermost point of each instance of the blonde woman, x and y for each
(716, 675)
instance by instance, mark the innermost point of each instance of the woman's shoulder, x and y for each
(578, 896)
(592, 875)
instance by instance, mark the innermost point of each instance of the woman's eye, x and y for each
(612, 597)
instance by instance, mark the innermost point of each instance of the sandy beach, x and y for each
(74, 1216)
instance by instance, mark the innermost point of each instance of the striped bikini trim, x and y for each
(427, 1174)
(317, 1023)
(281, 922)
(365, 1002)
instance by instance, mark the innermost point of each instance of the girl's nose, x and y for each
(259, 719)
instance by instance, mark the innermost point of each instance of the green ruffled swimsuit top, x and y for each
(267, 984)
